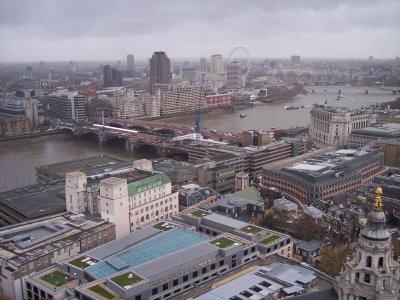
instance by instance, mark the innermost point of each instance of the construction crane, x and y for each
(197, 112)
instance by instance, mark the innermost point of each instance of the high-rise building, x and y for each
(160, 69)
(107, 75)
(111, 76)
(295, 59)
(234, 77)
(372, 273)
(203, 64)
(117, 78)
(29, 72)
(130, 63)
(216, 63)
(67, 106)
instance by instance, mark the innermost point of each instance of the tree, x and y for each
(332, 259)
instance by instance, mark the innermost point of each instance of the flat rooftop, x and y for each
(150, 249)
(262, 281)
(388, 130)
(34, 201)
(325, 166)
(19, 245)
(96, 164)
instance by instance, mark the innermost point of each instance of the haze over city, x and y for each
(107, 30)
(199, 150)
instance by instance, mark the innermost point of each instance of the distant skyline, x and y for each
(56, 30)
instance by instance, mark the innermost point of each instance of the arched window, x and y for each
(380, 262)
(166, 208)
(147, 217)
(156, 212)
(367, 278)
(369, 261)
(142, 219)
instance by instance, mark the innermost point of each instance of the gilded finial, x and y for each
(378, 201)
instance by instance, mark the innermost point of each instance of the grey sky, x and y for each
(49, 30)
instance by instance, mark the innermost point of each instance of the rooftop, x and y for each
(231, 201)
(150, 182)
(121, 244)
(250, 193)
(126, 279)
(150, 249)
(34, 201)
(21, 243)
(330, 165)
(260, 282)
(389, 130)
(223, 242)
(95, 164)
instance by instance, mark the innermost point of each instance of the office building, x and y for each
(181, 100)
(295, 60)
(250, 159)
(134, 199)
(29, 109)
(372, 273)
(391, 150)
(362, 137)
(256, 138)
(67, 106)
(29, 72)
(276, 280)
(268, 242)
(333, 125)
(234, 78)
(130, 63)
(34, 246)
(216, 64)
(112, 77)
(159, 262)
(160, 70)
(317, 178)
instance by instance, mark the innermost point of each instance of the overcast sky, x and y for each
(60, 30)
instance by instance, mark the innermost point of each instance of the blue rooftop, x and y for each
(160, 245)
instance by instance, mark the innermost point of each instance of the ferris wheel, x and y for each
(241, 55)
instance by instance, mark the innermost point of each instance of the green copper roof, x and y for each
(250, 193)
(147, 183)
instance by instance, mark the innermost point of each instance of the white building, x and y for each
(332, 125)
(133, 205)
(284, 205)
(75, 192)
(66, 105)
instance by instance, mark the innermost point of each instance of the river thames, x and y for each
(18, 158)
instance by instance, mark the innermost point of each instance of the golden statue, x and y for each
(378, 201)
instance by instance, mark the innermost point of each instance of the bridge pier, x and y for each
(129, 146)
